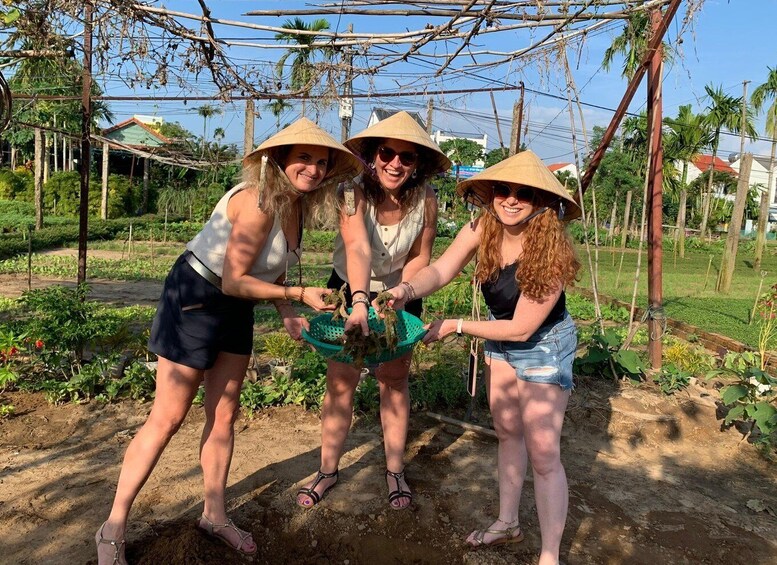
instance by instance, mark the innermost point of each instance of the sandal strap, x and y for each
(399, 492)
(506, 532)
(311, 490)
(242, 534)
(117, 544)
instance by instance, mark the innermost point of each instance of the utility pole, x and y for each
(429, 112)
(86, 144)
(248, 131)
(515, 133)
(346, 102)
(743, 122)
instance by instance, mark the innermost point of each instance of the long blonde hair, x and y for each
(548, 257)
(275, 191)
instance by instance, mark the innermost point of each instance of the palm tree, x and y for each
(723, 111)
(761, 94)
(206, 111)
(303, 69)
(688, 135)
(277, 107)
(632, 44)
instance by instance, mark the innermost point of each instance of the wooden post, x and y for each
(29, 258)
(496, 119)
(46, 165)
(611, 231)
(248, 132)
(515, 133)
(86, 143)
(655, 202)
(735, 225)
(38, 177)
(429, 112)
(146, 179)
(104, 193)
(626, 212)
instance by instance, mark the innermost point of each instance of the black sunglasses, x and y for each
(521, 192)
(387, 154)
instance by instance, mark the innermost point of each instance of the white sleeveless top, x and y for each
(210, 245)
(390, 246)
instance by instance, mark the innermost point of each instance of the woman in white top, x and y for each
(203, 329)
(387, 228)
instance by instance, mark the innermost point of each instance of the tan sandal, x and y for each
(506, 536)
(118, 545)
(210, 529)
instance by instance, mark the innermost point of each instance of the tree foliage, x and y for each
(461, 151)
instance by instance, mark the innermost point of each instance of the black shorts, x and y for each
(195, 321)
(414, 307)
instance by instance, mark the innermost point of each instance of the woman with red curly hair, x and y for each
(525, 260)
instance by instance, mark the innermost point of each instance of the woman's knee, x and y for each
(545, 459)
(341, 382)
(165, 424)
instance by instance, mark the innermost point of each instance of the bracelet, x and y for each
(458, 326)
(364, 301)
(286, 293)
(364, 292)
(302, 295)
(410, 289)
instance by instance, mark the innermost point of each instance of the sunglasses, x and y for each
(521, 192)
(387, 154)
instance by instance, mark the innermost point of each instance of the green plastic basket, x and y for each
(410, 330)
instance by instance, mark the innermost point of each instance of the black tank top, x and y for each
(503, 293)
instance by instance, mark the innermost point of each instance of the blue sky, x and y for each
(731, 41)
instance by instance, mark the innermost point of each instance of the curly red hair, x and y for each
(548, 258)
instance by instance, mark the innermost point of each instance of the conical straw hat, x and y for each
(306, 132)
(400, 126)
(525, 169)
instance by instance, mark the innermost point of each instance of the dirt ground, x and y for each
(652, 480)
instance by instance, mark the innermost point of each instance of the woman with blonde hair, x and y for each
(387, 228)
(525, 261)
(203, 329)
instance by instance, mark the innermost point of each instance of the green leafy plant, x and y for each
(671, 379)
(752, 399)
(604, 357)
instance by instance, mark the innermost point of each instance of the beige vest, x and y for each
(390, 246)
(210, 245)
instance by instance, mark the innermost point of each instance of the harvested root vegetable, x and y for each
(337, 297)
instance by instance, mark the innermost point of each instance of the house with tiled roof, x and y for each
(136, 133)
(563, 168)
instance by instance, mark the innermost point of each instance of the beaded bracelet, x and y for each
(364, 301)
(302, 295)
(410, 290)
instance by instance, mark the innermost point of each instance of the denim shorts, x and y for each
(546, 357)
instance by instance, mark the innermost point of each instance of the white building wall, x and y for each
(758, 175)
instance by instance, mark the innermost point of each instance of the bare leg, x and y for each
(222, 402)
(394, 418)
(542, 412)
(502, 388)
(336, 417)
(176, 386)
